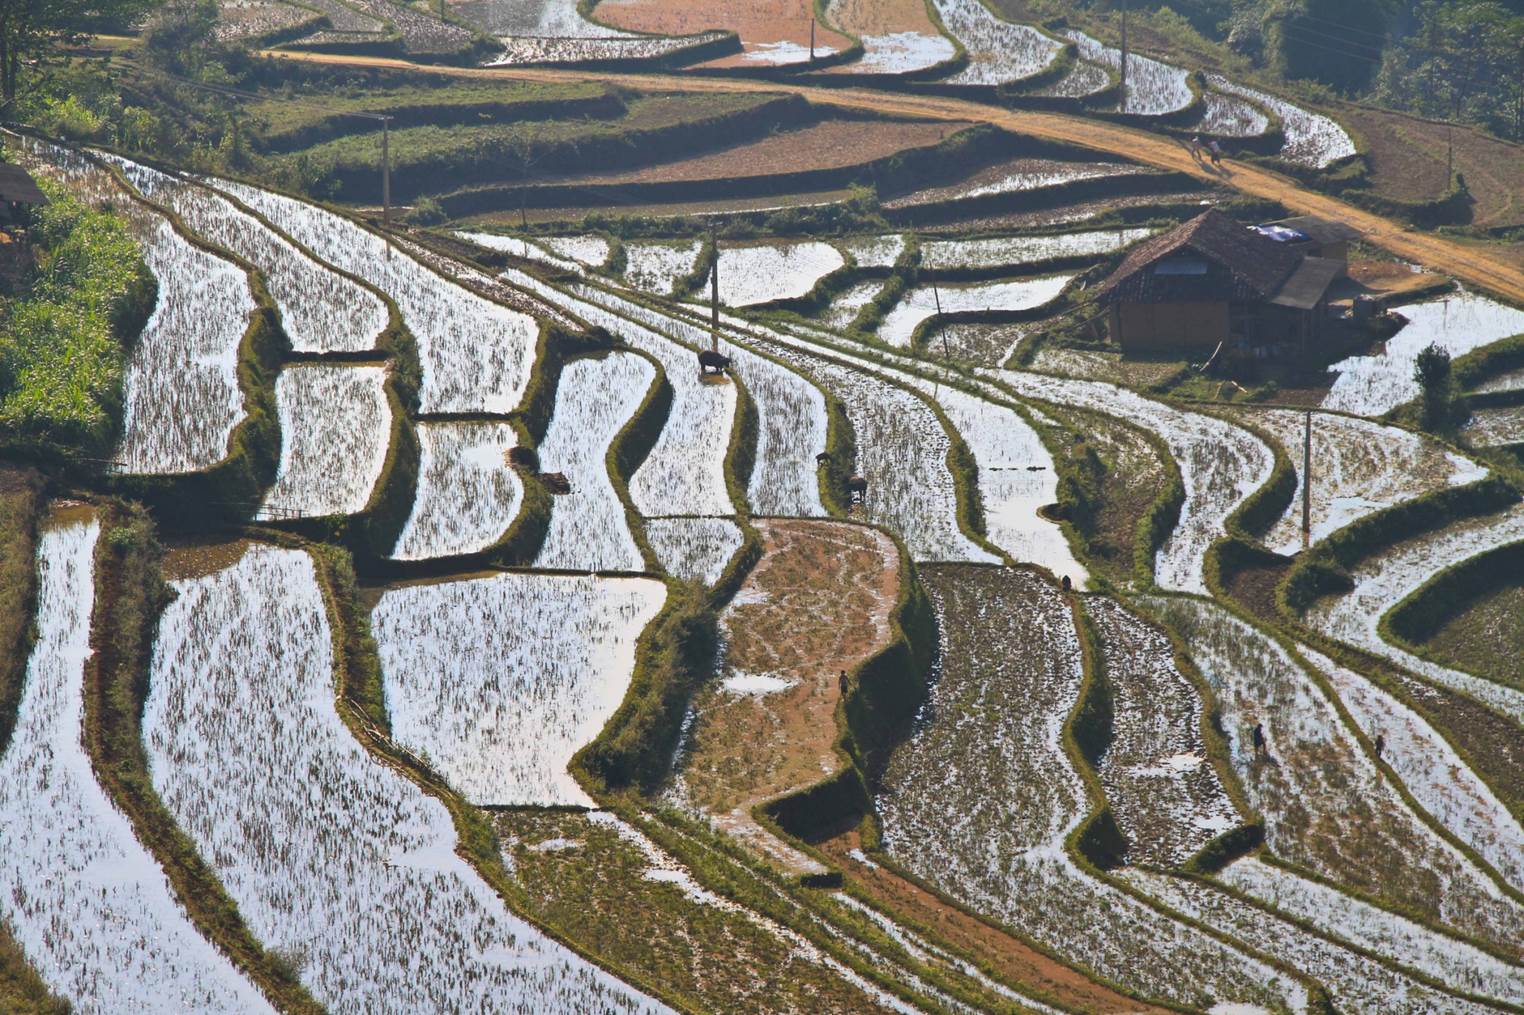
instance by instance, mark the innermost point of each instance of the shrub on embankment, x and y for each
(64, 339)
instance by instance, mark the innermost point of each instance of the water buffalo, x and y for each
(857, 490)
(715, 361)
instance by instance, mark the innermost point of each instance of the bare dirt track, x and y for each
(1477, 266)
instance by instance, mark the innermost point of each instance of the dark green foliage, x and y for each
(63, 343)
(1432, 371)
(1420, 616)
(1226, 848)
(20, 505)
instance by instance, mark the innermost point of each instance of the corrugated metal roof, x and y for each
(1320, 230)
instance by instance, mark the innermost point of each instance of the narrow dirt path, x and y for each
(1010, 957)
(1477, 267)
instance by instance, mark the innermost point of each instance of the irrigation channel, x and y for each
(1123, 795)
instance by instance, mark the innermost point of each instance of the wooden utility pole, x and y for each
(812, 38)
(1307, 482)
(386, 171)
(714, 296)
(1124, 53)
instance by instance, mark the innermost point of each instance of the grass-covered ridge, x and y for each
(63, 338)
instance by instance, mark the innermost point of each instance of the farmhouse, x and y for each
(1213, 282)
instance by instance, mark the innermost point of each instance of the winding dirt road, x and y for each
(1474, 265)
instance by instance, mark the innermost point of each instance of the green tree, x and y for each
(31, 30)
(1432, 372)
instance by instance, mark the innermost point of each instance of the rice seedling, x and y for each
(1220, 464)
(588, 529)
(655, 267)
(518, 246)
(1459, 323)
(897, 36)
(999, 52)
(902, 453)
(1454, 963)
(1163, 789)
(1384, 580)
(1230, 116)
(476, 355)
(927, 302)
(849, 303)
(346, 19)
(1359, 985)
(253, 20)
(321, 310)
(180, 391)
(1491, 428)
(335, 426)
(1153, 88)
(1016, 478)
(467, 495)
(684, 473)
(1312, 139)
(85, 901)
(694, 549)
(498, 681)
(791, 411)
(1325, 802)
(1436, 776)
(765, 273)
(307, 831)
(1360, 467)
(875, 251)
(979, 801)
(1015, 177)
(1023, 251)
(420, 31)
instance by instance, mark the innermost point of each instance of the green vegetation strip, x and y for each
(129, 599)
(63, 344)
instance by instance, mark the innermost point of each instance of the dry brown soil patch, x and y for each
(834, 144)
(879, 17)
(1408, 162)
(1010, 957)
(761, 24)
(817, 604)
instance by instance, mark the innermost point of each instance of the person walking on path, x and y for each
(1216, 150)
(1196, 147)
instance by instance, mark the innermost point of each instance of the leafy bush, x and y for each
(62, 344)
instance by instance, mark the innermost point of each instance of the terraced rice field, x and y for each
(999, 52)
(476, 355)
(926, 303)
(767, 273)
(79, 922)
(1370, 385)
(1152, 88)
(467, 495)
(898, 36)
(497, 681)
(1169, 798)
(1384, 580)
(335, 426)
(773, 32)
(1312, 139)
(320, 310)
(1313, 776)
(764, 726)
(1359, 467)
(595, 400)
(238, 762)
(979, 800)
(555, 31)
(656, 267)
(1025, 251)
(1018, 176)
(1220, 465)
(694, 549)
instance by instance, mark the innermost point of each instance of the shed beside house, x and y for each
(1213, 281)
(1312, 236)
(17, 188)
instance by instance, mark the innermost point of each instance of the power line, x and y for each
(1339, 25)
